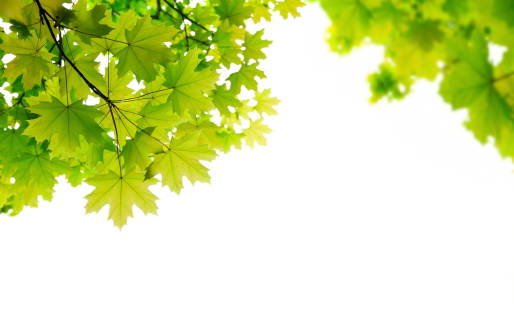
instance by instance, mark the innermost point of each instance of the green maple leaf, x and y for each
(204, 15)
(245, 77)
(115, 40)
(230, 139)
(224, 99)
(144, 46)
(137, 151)
(32, 60)
(182, 159)
(253, 45)
(261, 12)
(121, 193)
(208, 129)
(188, 85)
(33, 45)
(12, 144)
(160, 117)
(351, 21)
(227, 50)
(67, 123)
(110, 162)
(117, 87)
(156, 92)
(417, 52)
(36, 172)
(33, 68)
(266, 103)
(287, 7)
(255, 133)
(87, 22)
(234, 11)
(470, 84)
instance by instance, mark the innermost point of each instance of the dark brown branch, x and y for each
(184, 16)
(44, 15)
(158, 11)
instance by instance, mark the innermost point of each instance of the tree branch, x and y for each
(44, 15)
(184, 16)
(158, 11)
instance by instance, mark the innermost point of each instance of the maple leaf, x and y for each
(287, 7)
(182, 159)
(67, 122)
(121, 193)
(32, 60)
(418, 50)
(255, 133)
(188, 85)
(160, 117)
(266, 103)
(110, 161)
(226, 48)
(253, 45)
(234, 11)
(144, 44)
(12, 144)
(208, 129)
(470, 84)
(155, 91)
(115, 40)
(37, 171)
(224, 99)
(261, 12)
(245, 77)
(230, 139)
(87, 22)
(351, 21)
(137, 151)
(117, 87)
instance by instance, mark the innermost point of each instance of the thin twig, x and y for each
(184, 16)
(44, 14)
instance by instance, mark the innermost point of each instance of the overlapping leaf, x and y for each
(182, 159)
(113, 93)
(121, 193)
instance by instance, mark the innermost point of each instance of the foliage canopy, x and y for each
(74, 111)
(426, 39)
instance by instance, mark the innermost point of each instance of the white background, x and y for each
(354, 218)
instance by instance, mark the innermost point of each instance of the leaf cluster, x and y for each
(447, 39)
(124, 94)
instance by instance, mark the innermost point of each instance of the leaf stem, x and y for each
(503, 77)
